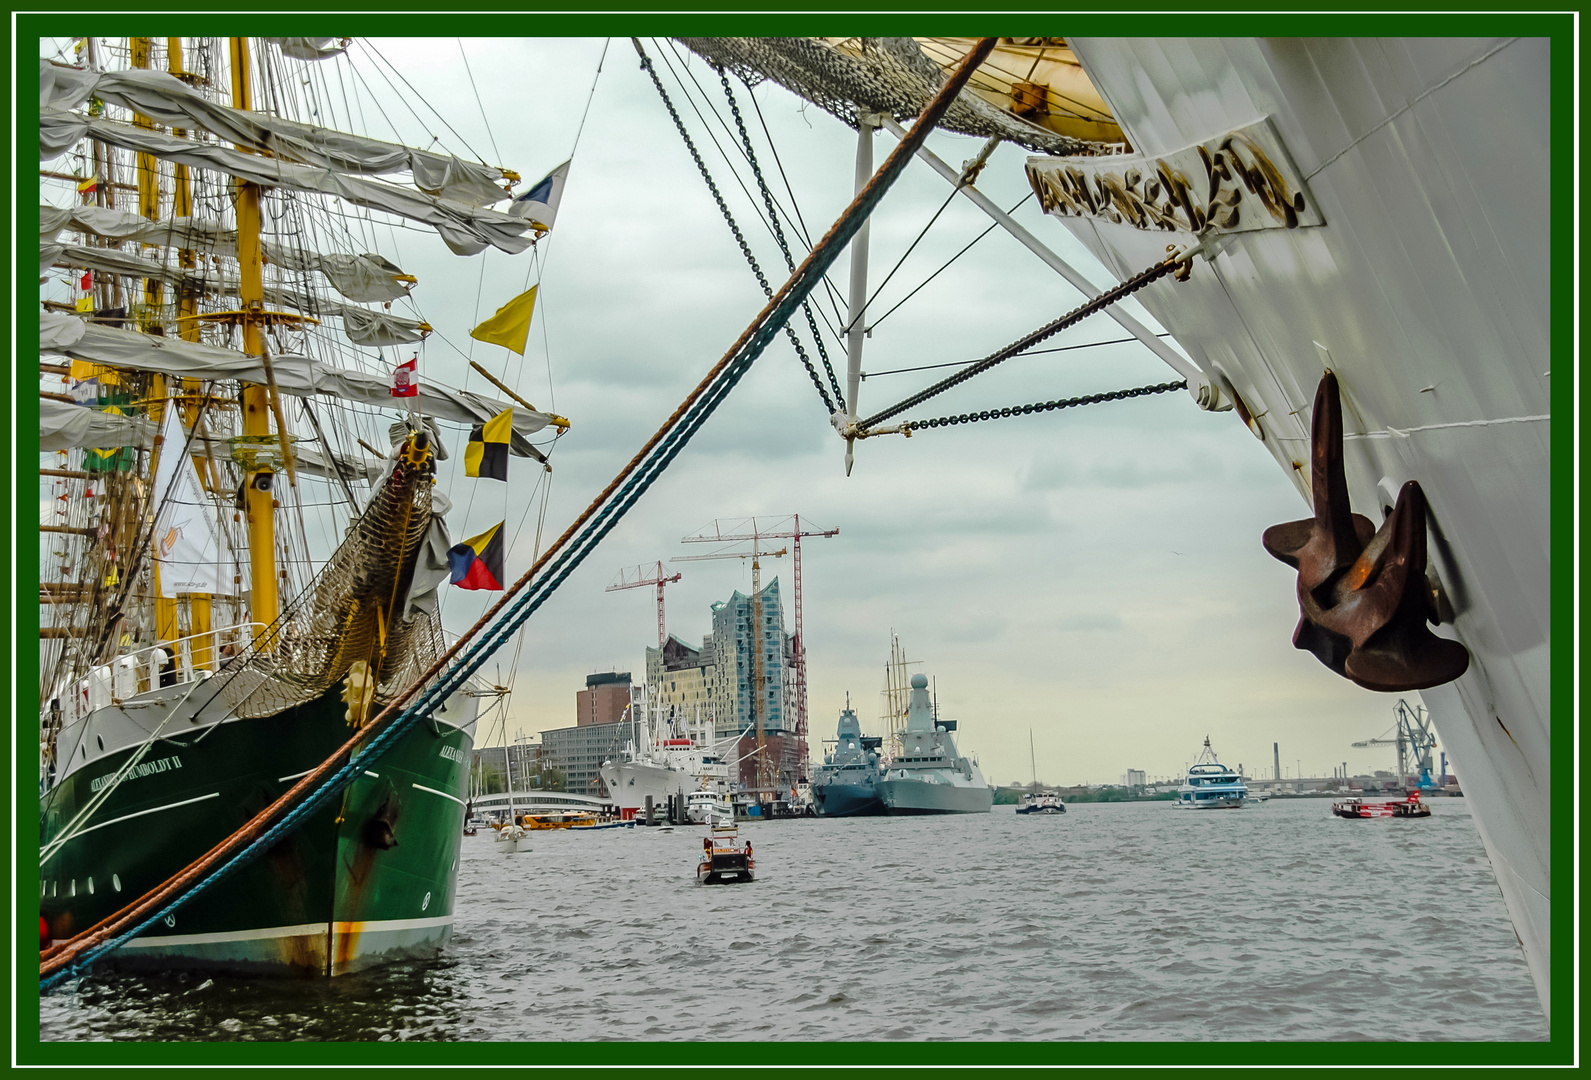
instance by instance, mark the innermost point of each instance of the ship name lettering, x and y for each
(145, 768)
(452, 753)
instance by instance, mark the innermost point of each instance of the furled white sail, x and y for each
(167, 100)
(467, 230)
(362, 326)
(309, 48)
(363, 278)
(297, 375)
(64, 426)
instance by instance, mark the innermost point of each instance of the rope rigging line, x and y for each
(1034, 352)
(1169, 265)
(512, 609)
(1042, 406)
(946, 266)
(745, 249)
(778, 232)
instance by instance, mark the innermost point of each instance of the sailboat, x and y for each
(1348, 240)
(1036, 801)
(244, 550)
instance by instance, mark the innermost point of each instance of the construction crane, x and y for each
(1415, 740)
(646, 575)
(786, 528)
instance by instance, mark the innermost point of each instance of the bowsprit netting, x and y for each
(359, 609)
(888, 75)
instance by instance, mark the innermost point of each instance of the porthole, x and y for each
(101, 740)
(426, 902)
(116, 883)
(82, 752)
(91, 886)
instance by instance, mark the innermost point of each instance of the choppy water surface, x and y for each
(1114, 922)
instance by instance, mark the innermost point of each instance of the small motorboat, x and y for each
(1412, 807)
(1041, 802)
(725, 858)
(511, 839)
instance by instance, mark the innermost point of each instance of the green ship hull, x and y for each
(367, 879)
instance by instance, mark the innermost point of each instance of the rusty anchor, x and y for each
(1362, 593)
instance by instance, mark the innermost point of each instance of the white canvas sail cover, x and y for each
(64, 426)
(167, 100)
(363, 278)
(297, 375)
(467, 230)
(362, 326)
(188, 545)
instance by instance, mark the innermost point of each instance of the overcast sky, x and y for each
(1093, 576)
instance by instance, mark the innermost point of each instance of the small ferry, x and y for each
(1210, 785)
(1041, 802)
(725, 858)
(1412, 807)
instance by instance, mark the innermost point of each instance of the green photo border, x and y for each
(27, 1048)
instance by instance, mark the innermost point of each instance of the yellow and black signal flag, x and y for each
(486, 454)
(511, 325)
(477, 563)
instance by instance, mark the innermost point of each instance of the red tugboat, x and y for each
(725, 858)
(1411, 807)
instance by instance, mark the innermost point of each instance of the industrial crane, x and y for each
(755, 554)
(645, 575)
(787, 528)
(1416, 739)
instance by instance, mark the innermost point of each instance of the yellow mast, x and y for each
(149, 208)
(258, 500)
(188, 330)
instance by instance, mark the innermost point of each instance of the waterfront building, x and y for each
(578, 751)
(681, 681)
(603, 701)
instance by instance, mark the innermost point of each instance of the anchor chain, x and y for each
(778, 232)
(1173, 264)
(745, 248)
(907, 427)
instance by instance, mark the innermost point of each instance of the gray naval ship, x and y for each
(846, 784)
(929, 776)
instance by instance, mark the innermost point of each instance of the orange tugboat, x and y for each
(1411, 807)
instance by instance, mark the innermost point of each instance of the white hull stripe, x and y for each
(434, 791)
(151, 810)
(270, 933)
(295, 776)
(266, 934)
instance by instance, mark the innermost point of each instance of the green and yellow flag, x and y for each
(486, 454)
(511, 325)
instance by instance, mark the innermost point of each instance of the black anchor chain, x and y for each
(910, 426)
(745, 249)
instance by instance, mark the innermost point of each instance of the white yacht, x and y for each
(1210, 785)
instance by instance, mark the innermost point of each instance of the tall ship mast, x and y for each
(241, 559)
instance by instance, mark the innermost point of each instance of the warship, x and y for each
(846, 784)
(929, 776)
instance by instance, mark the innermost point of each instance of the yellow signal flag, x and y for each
(511, 325)
(486, 454)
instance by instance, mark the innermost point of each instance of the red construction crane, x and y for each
(786, 528)
(647, 575)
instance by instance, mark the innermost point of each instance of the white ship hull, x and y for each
(1427, 291)
(629, 784)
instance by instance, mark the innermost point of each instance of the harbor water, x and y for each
(1123, 922)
